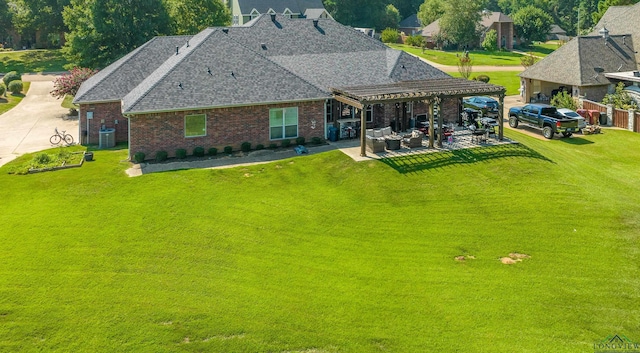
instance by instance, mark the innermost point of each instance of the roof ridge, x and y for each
(123, 60)
(171, 63)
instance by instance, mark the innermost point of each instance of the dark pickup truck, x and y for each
(545, 117)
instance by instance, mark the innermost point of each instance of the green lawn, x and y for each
(11, 100)
(509, 79)
(542, 49)
(27, 61)
(323, 254)
(500, 58)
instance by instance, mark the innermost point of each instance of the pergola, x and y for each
(430, 91)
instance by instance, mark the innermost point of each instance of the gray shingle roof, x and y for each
(238, 77)
(621, 20)
(296, 6)
(115, 81)
(410, 22)
(584, 60)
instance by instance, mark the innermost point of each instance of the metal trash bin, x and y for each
(333, 134)
(603, 119)
(107, 138)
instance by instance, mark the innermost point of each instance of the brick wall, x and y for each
(151, 133)
(107, 112)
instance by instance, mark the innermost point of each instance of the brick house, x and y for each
(271, 80)
(244, 11)
(501, 23)
(589, 66)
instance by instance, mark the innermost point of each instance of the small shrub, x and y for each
(273, 146)
(390, 35)
(285, 143)
(139, 157)
(161, 156)
(415, 40)
(483, 78)
(213, 151)
(15, 87)
(259, 146)
(10, 77)
(42, 158)
(3, 89)
(73, 112)
(300, 141)
(245, 146)
(181, 153)
(316, 140)
(198, 151)
(228, 149)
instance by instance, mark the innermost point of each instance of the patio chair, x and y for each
(414, 140)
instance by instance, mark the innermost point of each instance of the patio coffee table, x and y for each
(393, 142)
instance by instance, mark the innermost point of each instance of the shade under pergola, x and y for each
(428, 90)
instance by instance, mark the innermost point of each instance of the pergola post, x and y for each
(500, 116)
(363, 131)
(431, 124)
(440, 122)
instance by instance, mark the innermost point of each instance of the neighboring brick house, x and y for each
(501, 23)
(244, 11)
(589, 66)
(262, 83)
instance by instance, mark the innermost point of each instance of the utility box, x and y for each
(107, 138)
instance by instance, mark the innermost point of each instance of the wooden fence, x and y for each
(636, 126)
(589, 105)
(621, 118)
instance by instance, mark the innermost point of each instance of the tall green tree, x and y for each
(584, 23)
(406, 7)
(603, 5)
(532, 23)
(5, 20)
(101, 31)
(39, 16)
(430, 10)
(459, 23)
(357, 13)
(391, 17)
(192, 16)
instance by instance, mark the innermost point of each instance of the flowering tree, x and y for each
(70, 83)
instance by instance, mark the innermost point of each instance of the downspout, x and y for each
(79, 125)
(324, 119)
(128, 117)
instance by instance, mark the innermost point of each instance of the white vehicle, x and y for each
(568, 113)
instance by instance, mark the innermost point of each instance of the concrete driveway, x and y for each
(29, 125)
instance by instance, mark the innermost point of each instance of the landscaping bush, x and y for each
(42, 158)
(15, 87)
(273, 146)
(259, 146)
(228, 149)
(317, 140)
(161, 156)
(3, 89)
(390, 35)
(483, 78)
(213, 151)
(300, 141)
(139, 157)
(245, 147)
(416, 40)
(198, 151)
(181, 153)
(10, 77)
(285, 143)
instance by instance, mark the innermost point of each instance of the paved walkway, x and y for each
(29, 125)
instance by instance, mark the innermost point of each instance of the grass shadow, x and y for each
(576, 141)
(423, 162)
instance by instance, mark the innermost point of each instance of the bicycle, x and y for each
(58, 137)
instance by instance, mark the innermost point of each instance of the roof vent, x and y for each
(187, 44)
(177, 50)
(273, 17)
(225, 30)
(315, 23)
(263, 46)
(180, 85)
(209, 71)
(604, 32)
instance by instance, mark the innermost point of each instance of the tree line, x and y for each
(97, 32)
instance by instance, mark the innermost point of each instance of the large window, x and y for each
(283, 123)
(195, 125)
